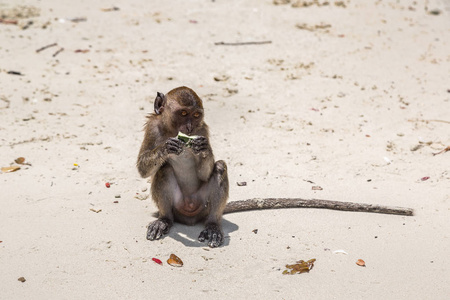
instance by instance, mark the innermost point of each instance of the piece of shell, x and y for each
(361, 263)
(175, 261)
(340, 251)
(10, 169)
(141, 197)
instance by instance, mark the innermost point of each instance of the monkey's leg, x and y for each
(164, 191)
(217, 195)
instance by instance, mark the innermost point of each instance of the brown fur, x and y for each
(187, 186)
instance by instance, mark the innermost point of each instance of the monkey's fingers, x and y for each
(212, 234)
(200, 144)
(174, 146)
(157, 229)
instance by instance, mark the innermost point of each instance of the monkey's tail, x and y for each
(275, 203)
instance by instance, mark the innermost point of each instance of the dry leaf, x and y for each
(175, 261)
(10, 169)
(300, 267)
(20, 160)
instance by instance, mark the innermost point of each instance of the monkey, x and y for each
(189, 186)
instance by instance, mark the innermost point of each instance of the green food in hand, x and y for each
(186, 138)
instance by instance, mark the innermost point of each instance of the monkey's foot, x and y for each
(212, 234)
(158, 228)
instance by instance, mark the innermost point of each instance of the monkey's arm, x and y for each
(149, 161)
(152, 154)
(273, 203)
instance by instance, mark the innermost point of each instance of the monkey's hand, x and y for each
(158, 228)
(174, 146)
(212, 234)
(200, 144)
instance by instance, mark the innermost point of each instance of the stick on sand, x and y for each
(275, 203)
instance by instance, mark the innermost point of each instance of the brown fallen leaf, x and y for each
(300, 267)
(361, 263)
(175, 261)
(20, 160)
(10, 169)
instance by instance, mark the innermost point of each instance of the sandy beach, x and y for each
(338, 100)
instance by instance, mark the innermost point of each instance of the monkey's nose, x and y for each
(189, 128)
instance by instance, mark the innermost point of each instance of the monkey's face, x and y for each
(188, 119)
(181, 110)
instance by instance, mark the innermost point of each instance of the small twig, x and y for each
(15, 73)
(442, 151)
(6, 21)
(59, 51)
(46, 47)
(242, 43)
(427, 121)
(275, 203)
(26, 26)
(3, 98)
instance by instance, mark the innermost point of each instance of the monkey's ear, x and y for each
(160, 101)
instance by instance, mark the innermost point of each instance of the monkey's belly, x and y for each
(189, 207)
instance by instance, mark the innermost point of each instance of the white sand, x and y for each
(331, 106)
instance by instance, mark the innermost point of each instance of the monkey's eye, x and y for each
(196, 115)
(184, 113)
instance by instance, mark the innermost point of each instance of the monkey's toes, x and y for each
(157, 229)
(213, 235)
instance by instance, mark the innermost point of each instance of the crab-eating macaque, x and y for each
(187, 184)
